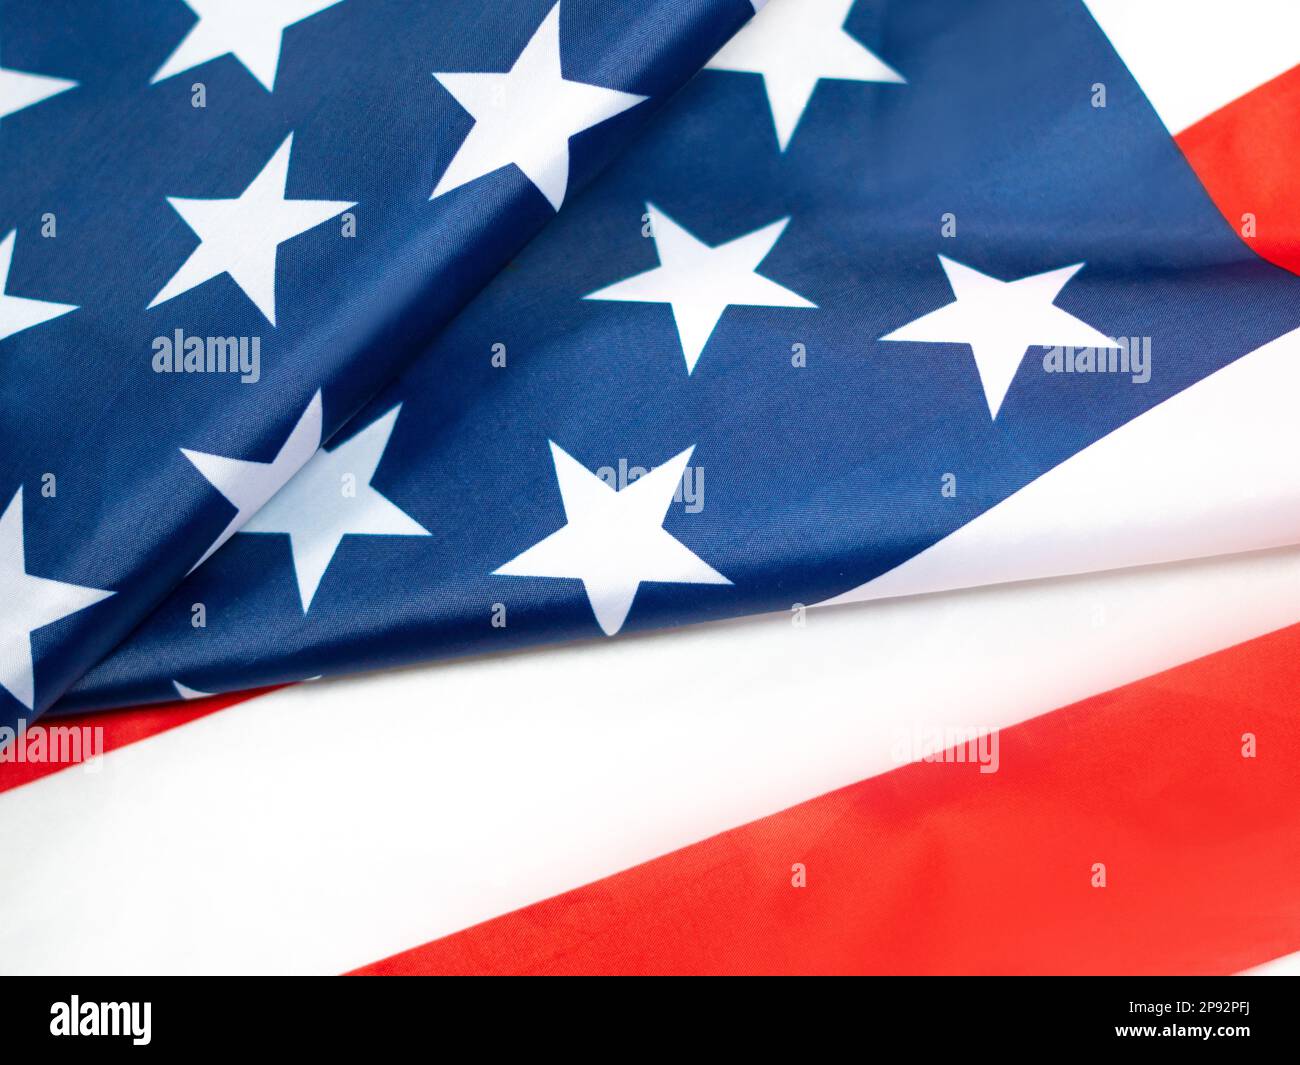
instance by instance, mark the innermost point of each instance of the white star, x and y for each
(701, 281)
(793, 45)
(526, 116)
(248, 30)
(331, 498)
(19, 89)
(249, 485)
(1000, 320)
(240, 237)
(614, 540)
(28, 603)
(16, 313)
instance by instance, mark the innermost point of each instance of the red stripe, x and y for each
(937, 868)
(1245, 154)
(120, 728)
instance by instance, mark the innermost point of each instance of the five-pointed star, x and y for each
(248, 30)
(249, 485)
(331, 498)
(241, 237)
(614, 540)
(526, 116)
(701, 281)
(16, 313)
(28, 603)
(19, 89)
(793, 44)
(1000, 320)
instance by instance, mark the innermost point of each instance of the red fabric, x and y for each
(1245, 155)
(935, 868)
(120, 728)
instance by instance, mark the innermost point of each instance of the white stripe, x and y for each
(1192, 57)
(1287, 965)
(322, 827)
(1213, 470)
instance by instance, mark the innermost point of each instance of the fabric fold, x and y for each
(803, 330)
(204, 276)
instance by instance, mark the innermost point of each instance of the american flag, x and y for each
(932, 365)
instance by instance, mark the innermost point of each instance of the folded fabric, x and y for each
(939, 285)
(224, 228)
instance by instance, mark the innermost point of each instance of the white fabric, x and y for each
(329, 825)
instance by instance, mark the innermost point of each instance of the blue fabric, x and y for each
(815, 478)
(355, 86)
